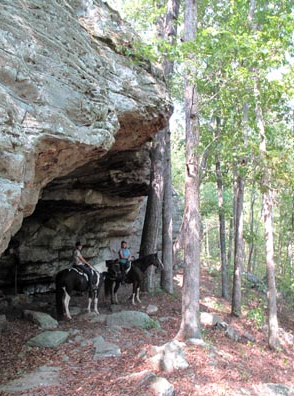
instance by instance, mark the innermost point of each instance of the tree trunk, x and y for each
(222, 221)
(239, 247)
(231, 239)
(251, 244)
(153, 209)
(190, 324)
(170, 32)
(167, 222)
(273, 339)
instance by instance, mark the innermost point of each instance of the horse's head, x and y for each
(157, 262)
(113, 269)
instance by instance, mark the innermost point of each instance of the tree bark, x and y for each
(170, 33)
(222, 221)
(251, 244)
(190, 323)
(239, 248)
(153, 208)
(231, 239)
(273, 339)
(167, 222)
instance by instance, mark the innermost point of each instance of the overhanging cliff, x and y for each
(75, 114)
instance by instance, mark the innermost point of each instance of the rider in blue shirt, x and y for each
(124, 259)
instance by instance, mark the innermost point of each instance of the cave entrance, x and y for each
(99, 204)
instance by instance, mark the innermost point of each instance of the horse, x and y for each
(134, 275)
(71, 279)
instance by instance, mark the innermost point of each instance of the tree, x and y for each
(190, 323)
(267, 201)
(222, 221)
(153, 208)
(170, 33)
(239, 254)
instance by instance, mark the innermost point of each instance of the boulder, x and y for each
(42, 319)
(209, 319)
(48, 339)
(273, 390)
(105, 349)
(169, 357)
(130, 319)
(151, 309)
(41, 377)
(232, 333)
(162, 387)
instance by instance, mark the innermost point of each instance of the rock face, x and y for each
(75, 113)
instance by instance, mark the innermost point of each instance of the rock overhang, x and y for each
(74, 113)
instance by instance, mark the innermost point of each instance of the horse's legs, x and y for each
(133, 299)
(115, 292)
(135, 288)
(112, 294)
(66, 303)
(96, 293)
(89, 304)
(138, 295)
(96, 305)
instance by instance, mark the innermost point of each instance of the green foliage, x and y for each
(257, 316)
(229, 52)
(151, 324)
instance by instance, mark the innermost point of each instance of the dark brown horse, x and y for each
(134, 275)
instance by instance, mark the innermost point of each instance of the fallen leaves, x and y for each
(221, 367)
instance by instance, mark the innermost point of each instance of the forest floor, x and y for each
(220, 367)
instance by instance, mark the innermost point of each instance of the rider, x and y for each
(79, 261)
(124, 259)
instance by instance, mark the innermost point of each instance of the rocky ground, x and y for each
(221, 366)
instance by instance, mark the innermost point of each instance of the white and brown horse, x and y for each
(73, 279)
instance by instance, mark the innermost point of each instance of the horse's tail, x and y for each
(59, 294)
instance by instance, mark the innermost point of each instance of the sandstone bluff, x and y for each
(75, 114)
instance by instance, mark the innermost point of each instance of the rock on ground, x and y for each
(43, 376)
(48, 339)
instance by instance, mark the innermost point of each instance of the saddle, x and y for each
(82, 272)
(79, 269)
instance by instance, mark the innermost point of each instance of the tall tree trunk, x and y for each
(239, 248)
(267, 201)
(273, 339)
(231, 239)
(222, 222)
(153, 208)
(167, 222)
(251, 244)
(170, 33)
(190, 323)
